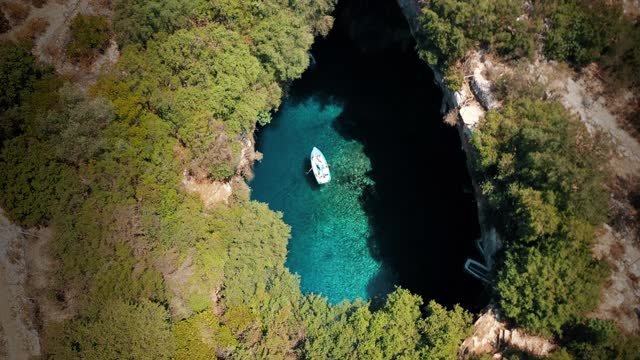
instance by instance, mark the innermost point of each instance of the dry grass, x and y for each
(52, 50)
(17, 12)
(451, 118)
(34, 28)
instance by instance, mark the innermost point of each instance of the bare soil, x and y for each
(50, 44)
(20, 338)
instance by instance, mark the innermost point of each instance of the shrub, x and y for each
(599, 339)
(452, 27)
(622, 59)
(18, 72)
(510, 87)
(542, 290)
(34, 28)
(538, 145)
(141, 331)
(136, 22)
(90, 34)
(39, 3)
(17, 12)
(453, 78)
(545, 183)
(4, 23)
(580, 34)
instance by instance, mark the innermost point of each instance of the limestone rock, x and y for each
(482, 89)
(471, 114)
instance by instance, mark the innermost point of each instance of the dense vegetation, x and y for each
(544, 169)
(149, 272)
(90, 35)
(579, 32)
(543, 174)
(144, 269)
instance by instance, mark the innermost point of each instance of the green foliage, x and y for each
(622, 59)
(257, 245)
(18, 73)
(511, 87)
(444, 330)
(453, 78)
(452, 27)
(136, 22)
(119, 330)
(535, 145)
(205, 82)
(352, 331)
(544, 289)
(89, 35)
(281, 43)
(579, 32)
(545, 171)
(75, 124)
(592, 339)
(202, 336)
(35, 184)
(582, 30)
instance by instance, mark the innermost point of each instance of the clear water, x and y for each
(399, 209)
(329, 227)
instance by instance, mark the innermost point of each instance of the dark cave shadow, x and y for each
(422, 226)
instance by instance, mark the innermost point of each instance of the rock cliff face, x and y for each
(450, 99)
(470, 103)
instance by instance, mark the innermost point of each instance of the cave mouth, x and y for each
(416, 217)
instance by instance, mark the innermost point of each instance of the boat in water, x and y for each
(320, 167)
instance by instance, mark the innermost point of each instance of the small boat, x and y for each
(320, 167)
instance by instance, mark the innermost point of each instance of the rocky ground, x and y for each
(19, 336)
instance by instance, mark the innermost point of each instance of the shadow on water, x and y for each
(423, 222)
(309, 178)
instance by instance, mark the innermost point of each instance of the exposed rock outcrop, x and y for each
(491, 335)
(482, 88)
(19, 335)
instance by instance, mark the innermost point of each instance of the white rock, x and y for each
(471, 114)
(482, 89)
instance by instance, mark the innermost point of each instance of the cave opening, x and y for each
(418, 219)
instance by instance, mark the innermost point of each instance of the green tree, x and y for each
(592, 339)
(545, 289)
(444, 331)
(89, 35)
(119, 331)
(18, 73)
(202, 337)
(136, 22)
(281, 43)
(34, 184)
(581, 31)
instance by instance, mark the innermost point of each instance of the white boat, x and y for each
(320, 167)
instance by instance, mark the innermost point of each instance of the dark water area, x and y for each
(419, 219)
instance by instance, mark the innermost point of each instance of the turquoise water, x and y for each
(329, 227)
(398, 210)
